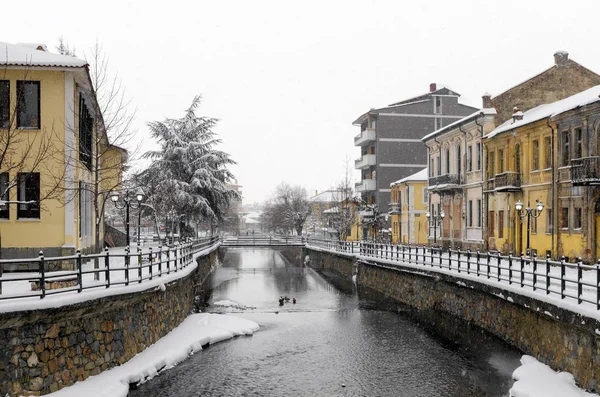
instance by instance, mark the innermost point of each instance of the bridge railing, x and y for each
(107, 269)
(263, 240)
(577, 281)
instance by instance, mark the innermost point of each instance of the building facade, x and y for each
(47, 110)
(408, 209)
(456, 182)
(390, 144)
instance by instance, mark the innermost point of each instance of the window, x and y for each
(548, 152)
(536, 155)
(4, 103)
(577, 218)
(549, 220)
(86, 125)
(425, 195)
(534, 225)
(458, 162)
(28, 109)
(85, 210)
(500, 224)
(566, 154)
(373, 123)
(470, 214)
(469, 158)
(518, 159)
(478, 154)
(431, 166)
(492, 164)
(491, 223)
(4, 210)
(478, 213)
(500, 161)
(578, 144)
(439, 165)
(437, 108)
(447, 161)
(28, 190)
(564, 221)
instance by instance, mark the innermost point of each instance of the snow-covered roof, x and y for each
(583, 98)
(418, 176)
(464, 120)
(328, 196)
(333, 210)
(27, 54)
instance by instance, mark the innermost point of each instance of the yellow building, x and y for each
(408, 209)
(553, 142)
(47, 180)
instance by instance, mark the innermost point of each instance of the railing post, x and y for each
(440, 255)
(488, 258)
(139, 258)
(42, 275)
(477, 256)
(151, 259)
(498, 269)
(579, 276)
(79, 274)
(127, 260)
(449, 258)
(468, 260)
(168, 260)
(403, 257)
(598, 285)
(510, 268)
(175, 259)
(562, 277)
(547, 274)
(534, 270)
(458, 259)
(409, 254)
(522, 264)
(106, 267)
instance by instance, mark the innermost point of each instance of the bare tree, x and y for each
(342, 215)
(287, 210)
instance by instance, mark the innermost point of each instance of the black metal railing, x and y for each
(575, 281)
(262, 240)
(447, 179)
(507, 180)
(585, 170)
(102, 270)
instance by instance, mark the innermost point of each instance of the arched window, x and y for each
(447, 161)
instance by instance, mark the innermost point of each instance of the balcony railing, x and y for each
(585, 171)
(394, 208)
(445, 181)
(507, 181)
(366, 185)
(365, 161)
(364, 137)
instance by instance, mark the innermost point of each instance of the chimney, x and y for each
(432, 87)
(561, 58)
(486, 100)
(517, 114)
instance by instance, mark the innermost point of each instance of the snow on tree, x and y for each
(188, 175)
(287, 209)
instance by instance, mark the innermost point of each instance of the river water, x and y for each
(337, 340)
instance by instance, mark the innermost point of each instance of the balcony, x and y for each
(365, 161)
(444, 182)
(366, 185)
(366, 213)
(585, 171)
(365, 137)
(507, 182)
(394, 208)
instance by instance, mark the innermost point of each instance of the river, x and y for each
(337, 340)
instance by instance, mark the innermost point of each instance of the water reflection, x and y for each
(338, 340)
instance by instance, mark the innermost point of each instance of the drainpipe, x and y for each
(484, 208)
(554, 212)
(439, 195)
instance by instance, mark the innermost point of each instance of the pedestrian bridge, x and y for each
(262, 240)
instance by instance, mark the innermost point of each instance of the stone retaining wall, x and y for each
(42, 351)
(564, 340)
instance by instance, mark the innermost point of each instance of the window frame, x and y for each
(5, 193)
(21, 97)
(23, 210)
(565, 155)
(535, 160)
(5, 104)
(547, 152)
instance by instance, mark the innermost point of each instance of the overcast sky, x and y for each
(287, 79)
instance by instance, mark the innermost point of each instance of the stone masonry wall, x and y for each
(42, 351)
(564, 340)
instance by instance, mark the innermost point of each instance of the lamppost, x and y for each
(125, 201)
(436, 219)
(529, 212)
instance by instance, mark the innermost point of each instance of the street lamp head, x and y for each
(442, 214)
(139, 196)
(519, 205)
(428, 214)
(539, 206)
(114, 197)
